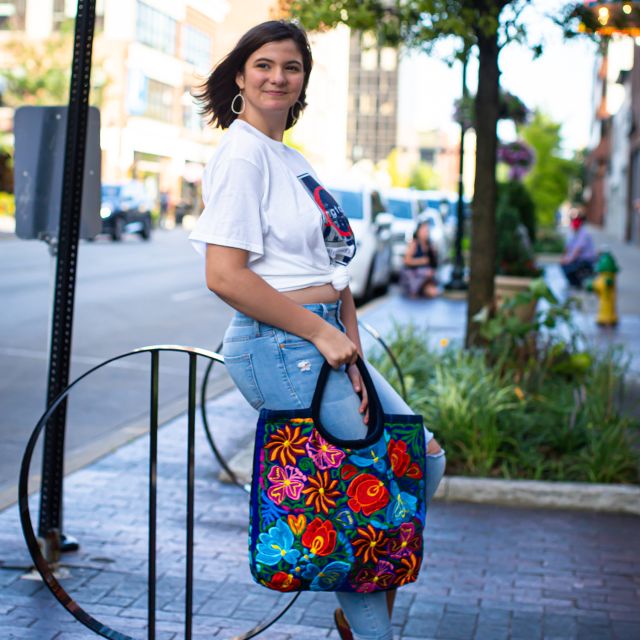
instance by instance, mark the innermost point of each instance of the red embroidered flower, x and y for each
(414, 471)
(320, 537)
(283, 581)
(367, 494)
(398, 456)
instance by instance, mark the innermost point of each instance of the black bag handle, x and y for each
(376, 422)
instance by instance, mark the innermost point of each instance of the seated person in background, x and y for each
(579, 255)
(418, 275)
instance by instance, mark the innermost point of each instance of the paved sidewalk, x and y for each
(492, 573)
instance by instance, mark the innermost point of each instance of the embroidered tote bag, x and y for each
(337, 515)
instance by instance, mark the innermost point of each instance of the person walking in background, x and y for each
(580, 254)
(418, 275)
(164, 209)
(276, 247)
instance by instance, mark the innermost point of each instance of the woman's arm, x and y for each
(350, 319)
(228, 276)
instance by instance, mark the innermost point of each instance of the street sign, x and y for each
(40, 135)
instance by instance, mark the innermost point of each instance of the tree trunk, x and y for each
(483, 236)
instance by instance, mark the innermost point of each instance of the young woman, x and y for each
(276, 246)
(418, 275)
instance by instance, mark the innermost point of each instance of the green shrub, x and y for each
(548, 414)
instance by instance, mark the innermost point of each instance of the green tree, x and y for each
(484, 25)
(38, 72)
(424, 176)
(549, 180)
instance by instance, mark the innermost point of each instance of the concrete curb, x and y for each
(617, 498)
(613, 498)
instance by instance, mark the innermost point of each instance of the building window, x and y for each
(159, 101)
(155, 29)
(12, 15)
(196, 48)
(388, 59)
(191, 117)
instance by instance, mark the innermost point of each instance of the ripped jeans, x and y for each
(279, 370)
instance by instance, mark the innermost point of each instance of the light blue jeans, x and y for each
(278, 370)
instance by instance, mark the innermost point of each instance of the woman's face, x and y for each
(423, 232)
(272, 79)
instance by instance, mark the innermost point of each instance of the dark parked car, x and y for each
(126, 207)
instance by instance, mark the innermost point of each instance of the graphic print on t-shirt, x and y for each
(338, 237)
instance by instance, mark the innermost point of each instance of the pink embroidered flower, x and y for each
(286, 482)
(381, 577)
(405, 541)
(323, 454)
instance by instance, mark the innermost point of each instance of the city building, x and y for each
(149, 55)
(372, 111)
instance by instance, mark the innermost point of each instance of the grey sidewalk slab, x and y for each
(492, 572)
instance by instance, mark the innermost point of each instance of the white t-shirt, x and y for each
(263, 196)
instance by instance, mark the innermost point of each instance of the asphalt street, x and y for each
(128, 295)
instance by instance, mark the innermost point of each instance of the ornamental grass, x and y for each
(536, 402)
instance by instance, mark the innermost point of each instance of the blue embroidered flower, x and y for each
(270, 510)
(331, 577)
(276, 545)
(372, 456)
(345, 518)
(402, 506)
(310, 572)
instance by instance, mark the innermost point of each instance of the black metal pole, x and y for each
(50, 522)
(457, 282)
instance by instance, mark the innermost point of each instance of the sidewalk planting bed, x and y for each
(535, 402)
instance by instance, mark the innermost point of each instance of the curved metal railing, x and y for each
(46, 572)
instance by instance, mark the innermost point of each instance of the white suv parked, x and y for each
(370, 269)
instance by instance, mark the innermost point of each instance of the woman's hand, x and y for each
(335, 346)
(361, 390)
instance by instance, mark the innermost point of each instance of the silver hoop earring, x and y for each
(294, 117)
(233, 104)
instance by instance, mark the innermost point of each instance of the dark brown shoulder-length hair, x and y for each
(220, 88)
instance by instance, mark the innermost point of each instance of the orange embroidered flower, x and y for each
(285, 445)
(371, 544)
(297, 523)
(321, 492)
(408, 570)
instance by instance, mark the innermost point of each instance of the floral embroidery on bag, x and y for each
(327, 518)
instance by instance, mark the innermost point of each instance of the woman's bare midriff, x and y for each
(323, 294)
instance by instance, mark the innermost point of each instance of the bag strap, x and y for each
(376, 423)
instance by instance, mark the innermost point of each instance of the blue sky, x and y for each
(560, 82)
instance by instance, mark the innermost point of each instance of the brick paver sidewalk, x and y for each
(492, 572)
